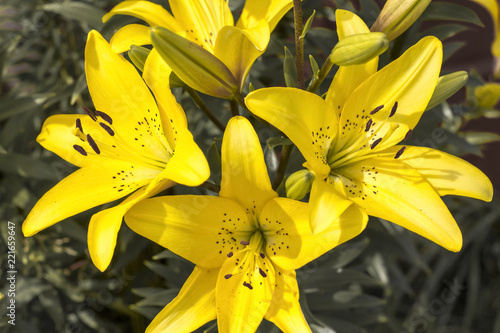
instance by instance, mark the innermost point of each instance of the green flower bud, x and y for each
(446, 87)
(398, 15)
(488, 95)
(299, 184)
(138, 55)
(359, 49)
(195, 66)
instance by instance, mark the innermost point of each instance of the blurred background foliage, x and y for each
(386, 280)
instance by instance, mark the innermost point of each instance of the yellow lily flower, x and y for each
(130, 145)
(208, 23)
(492, 7)
(246, 244)
(350, 143)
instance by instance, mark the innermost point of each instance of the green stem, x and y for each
(318, 79)
(203, 107)
(235, 110)
(211, 187)
(299, 42)
(286, 151)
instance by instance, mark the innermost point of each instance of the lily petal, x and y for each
(270, 10)
(202, 229)
(132, 34)
(389, 189)
(327, 202)
(118, 90)
(305, 117)
(188, 166)
(157, 75)
(153, 14)
(285, 311)
(104, 226)
(85, 188)
(193, 307)
(244, 172)
(202, 19)
(348, 78)
(397, 94)
(244, 291)
(238, 49)
(446, 173)
(289, 241)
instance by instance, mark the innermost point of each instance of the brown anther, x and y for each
(79, 124)
(400, 152)
(227, 276)
(377, 109)
(375, 143)
(262, 272)
(80, 150)
(368, 125)
(408, 134)
(230, 254)
(393, 110)
(107, 129)
(105, 117)
(92, 144)
(244, 243)
(90, 113)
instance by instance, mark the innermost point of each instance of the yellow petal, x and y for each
(270, 10)
(104, 226)
(153, 14)
(119, 91)
(348, 78)
(202, 229)
(85, 188)
(405, 87)
(193, 307)
(188, 166)
(327, 202)
(285, 311)
(132, 34)
(244, 172)
(238, 49)
(289, 241)
(202, 19)
(389, 189)
(446, 173)
(244, 291)
(304, 117)
(157, 75)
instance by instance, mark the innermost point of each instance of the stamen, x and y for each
(80, 150)
(230, 254)
(262, 272)
(89, 112)
(105, 117)
(375, 143)
(400, 152)
(244, 243)
(79, 125)
(368, 125)
(248, 285)
(227, 276)
(262, 255)
(393, 110)
(408, 134)
(107, 129)
(377, 109)
(92, 144)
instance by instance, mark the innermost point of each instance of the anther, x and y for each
(79, 124)
(230, 254)
(393, 110)
(248, 285)
(375, 143)
(262, 255)
(104, 116)
(244, 243)
(80, 150)
(408, 134)
(377, 109)
(107, 129)
(368, 125)
(400, 152)
(227, 276)
(92, 144)
(89, 112)
(262, 272)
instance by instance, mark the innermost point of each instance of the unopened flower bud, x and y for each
(138, 55)
(359, 48)
(446, 87)
(195, 66)
(398, 15)
(299, 184)
(488, 95)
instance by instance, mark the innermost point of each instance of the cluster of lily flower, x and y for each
(247, 242)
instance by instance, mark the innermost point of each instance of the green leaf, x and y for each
(444, 31)
(80, 11)
(12, 107)
(451, 12)
(26, 166)
(478, 138)
(450, 48)
(161, 298)
(214, 162)
(314, 66)
(308, 24)
(276, 141)
(289, 69)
